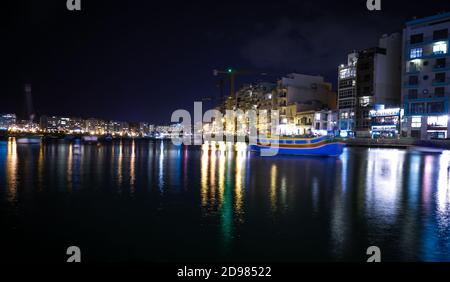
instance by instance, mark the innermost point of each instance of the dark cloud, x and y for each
(314, 45)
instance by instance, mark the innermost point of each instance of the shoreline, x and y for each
(402, 143)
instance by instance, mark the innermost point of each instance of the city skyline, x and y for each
(81, 67)
(225, 139)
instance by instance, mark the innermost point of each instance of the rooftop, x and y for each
(428, 19)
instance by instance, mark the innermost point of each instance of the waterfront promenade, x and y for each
(396, 143)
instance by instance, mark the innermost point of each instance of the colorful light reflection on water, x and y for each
(160, 202)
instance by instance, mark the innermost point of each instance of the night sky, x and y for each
(140, 60)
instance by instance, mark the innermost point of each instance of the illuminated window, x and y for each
(440, 121)
(415, 53)
(416, 122)
(414, 65)
(440, 48)
(346, 73)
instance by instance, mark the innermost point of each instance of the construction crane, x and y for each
(232, 73)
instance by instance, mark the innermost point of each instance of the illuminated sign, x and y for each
(384, 127)
(385, 112)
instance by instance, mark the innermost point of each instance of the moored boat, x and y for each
(31, 139)
(90, 139)
(320, 146)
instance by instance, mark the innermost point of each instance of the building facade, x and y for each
(426, 77)
(378, 74)
(346, 95)
(7, 121)
(385, 122)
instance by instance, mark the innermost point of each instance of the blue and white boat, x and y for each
(321, 146)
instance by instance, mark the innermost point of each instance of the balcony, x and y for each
(441, 67)
(441, 82)
(414, 69)
(433, 98)
(409, 84)
(384, 123)
(426, 40)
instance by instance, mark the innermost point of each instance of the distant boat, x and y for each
(31, 139)
(89, 139)
(321, 146)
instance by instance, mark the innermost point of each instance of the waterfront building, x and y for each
(291, 94)
(57, 124)
(312, 117)
(300, 117)
(95, 126)
(266, 104)
(124, 128)
(325, 122)
(48, 123)
(76, 125)
(316, 122)
(377, 80)
(301, 88)
(117, 128)
(163, 129)
(64, 124)
(25, 126)
(426, 77)
(385, 122)
(346, 95)
(298, 93)
(304, 122)
(7, 121)
(256, 97)
(113, 127)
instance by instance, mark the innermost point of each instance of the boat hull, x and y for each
(90, 139)
(332, 149)
(28, 140)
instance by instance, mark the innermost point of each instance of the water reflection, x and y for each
(443, 193)
(294, 206)
(273, 188)
(239, 180)
(132, 167)
(161, 168)
(11, 170)
(384, 178)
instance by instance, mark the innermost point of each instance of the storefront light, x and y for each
(440, 121)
